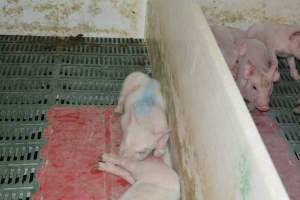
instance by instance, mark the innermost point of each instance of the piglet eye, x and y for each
(143, 152)
(237, 62)
(254, 88)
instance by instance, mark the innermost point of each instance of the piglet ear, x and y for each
(167, 131)
(249, 70)
(162, 141)
(294, 34)
(242, 47)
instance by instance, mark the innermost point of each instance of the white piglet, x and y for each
(256, 75)
(281, 40)
(151, 178)
(143, 122)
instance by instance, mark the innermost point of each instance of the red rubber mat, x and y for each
(284, 161)
(75, 139)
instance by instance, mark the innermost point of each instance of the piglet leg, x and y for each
(124, 92)
(296, 109)
(116, 170)
(274, 61)
(293, 71)
(159, 152)
(120, 106)
(120, 161)
(130, 84)
(161, 146)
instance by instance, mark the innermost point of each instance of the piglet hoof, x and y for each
(111, 158)
(295, 76)
(118, 110)
(104, 157)
(102, 166)
(100, 158)
(296, 110)
(159, 152)
(276, 77)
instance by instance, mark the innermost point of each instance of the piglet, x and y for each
(151, 178)
(143, 120)
(281, 40)
(231, 41)
(256, 74)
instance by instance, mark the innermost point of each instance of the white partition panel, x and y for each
(215, 145)
(97, 18)
(243, 13)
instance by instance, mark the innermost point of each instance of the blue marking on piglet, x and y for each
(146, 101)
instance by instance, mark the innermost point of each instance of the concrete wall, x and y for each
(215, 145)
(113, 18)
(241, 13)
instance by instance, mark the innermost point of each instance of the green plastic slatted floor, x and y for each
(39, 72)
(284, 96)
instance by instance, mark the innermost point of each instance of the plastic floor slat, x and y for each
(286, 93)
(39, 72)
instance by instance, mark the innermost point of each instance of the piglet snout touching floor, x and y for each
(250, 63)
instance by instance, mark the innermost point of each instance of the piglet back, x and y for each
(148, 191)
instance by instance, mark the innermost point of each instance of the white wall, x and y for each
(215, 145)
(106, 18)
(241, 13)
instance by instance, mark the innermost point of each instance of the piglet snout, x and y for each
(263, 108)
(263, 104)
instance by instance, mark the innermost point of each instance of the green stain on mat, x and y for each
(245, 174)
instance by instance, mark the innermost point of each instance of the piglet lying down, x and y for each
(143, 121)
(151, 178)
